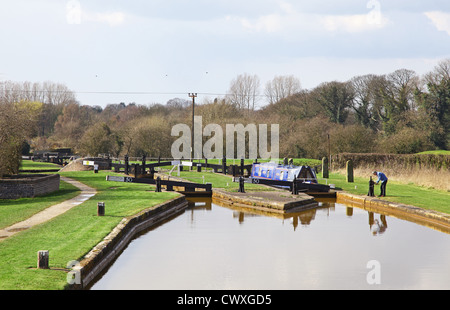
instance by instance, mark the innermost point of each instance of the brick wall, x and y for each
(28, 186)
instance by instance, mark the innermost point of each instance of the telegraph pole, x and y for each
(193, 96)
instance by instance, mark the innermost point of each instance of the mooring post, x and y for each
(371, 188)
(143, 163)
(100, 209)
(294, 187)
(158, 185)
(43, 260)
(233, 170)
(349, 166)
(325, 173)
(127, 166)
(241, 185)
(224, 165)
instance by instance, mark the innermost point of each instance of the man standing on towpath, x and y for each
(383, 179)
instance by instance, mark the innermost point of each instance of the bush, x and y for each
(352, 139)
(406, 141)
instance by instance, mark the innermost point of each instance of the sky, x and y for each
(150, 51)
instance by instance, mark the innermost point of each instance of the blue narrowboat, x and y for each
(276, 172)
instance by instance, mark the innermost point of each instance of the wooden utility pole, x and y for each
(193, 96)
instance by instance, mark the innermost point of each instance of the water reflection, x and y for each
(223, 247)
(377, 227)
(304, 218)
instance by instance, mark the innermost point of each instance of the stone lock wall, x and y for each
(28, 186)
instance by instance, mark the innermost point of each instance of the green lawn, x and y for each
(217, 180)
(438, 152)
(35, 165)
(73, 234)
(14, 211)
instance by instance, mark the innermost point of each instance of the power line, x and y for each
(123, 92)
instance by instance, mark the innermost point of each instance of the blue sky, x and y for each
(166, 49)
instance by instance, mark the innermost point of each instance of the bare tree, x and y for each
(282, 87)
(244, 91)
(400, 90)
(367, 99)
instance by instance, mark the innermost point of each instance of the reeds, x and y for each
(431, 171)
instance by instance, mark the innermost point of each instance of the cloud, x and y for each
(289, 20)
(112, 18)
(440, 20)
(353, 23)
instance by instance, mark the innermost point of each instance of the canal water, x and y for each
(212, 247)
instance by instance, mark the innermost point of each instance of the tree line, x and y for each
(400, 112)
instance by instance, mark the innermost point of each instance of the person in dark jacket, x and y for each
(383, 179)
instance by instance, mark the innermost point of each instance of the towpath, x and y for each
(51, 212)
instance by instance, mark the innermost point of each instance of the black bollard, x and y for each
(43, 260)
(371, 188)
(158, 185)
(224, 165)
(100, 209)
(241, 185)
(127, 165)
(294, 187)
(144, 158)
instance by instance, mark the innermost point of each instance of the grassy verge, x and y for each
(439, 152)
(409, 194)
(14, 211)
(34, 165)
(217, 180)
(73, 234)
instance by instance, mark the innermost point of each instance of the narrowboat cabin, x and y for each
(276, 172)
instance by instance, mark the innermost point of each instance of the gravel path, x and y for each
(51, 212)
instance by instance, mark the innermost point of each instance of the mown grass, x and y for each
(17, 210)
(217, 180)
(438, 152)
(73, 234)
(35, 165)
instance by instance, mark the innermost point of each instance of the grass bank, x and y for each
(14, 211)
(217, 180)
(72, 235)
(35, 165)
(410, 194)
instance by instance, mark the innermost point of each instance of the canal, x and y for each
(212, 247)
